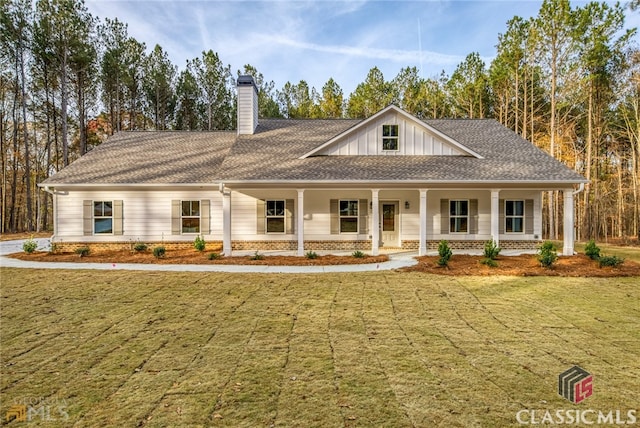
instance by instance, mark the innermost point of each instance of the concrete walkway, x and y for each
(396, 260)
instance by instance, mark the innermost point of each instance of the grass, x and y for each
(359, 349)
(631, 253)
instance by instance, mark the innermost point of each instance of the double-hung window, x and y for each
(348, 213)
(275, 216)
(514, 216)
(390, 137)
(190, 216)
(102, 217)
(458, 216)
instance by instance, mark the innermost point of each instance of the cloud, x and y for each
(395, 55)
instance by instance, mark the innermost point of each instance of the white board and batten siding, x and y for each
(146, 215)
(413, 139)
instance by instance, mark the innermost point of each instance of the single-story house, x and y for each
(388, 181)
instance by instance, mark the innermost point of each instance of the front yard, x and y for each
(115, 348)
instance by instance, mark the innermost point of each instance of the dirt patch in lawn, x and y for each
(193, 257)
(525, 265)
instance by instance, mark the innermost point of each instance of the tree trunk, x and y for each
(63, 108)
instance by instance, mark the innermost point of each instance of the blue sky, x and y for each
(316, 40)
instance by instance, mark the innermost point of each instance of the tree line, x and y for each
(568, 80)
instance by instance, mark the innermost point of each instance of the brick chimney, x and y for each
(247, 105)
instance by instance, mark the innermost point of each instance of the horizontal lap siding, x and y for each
(146, 214)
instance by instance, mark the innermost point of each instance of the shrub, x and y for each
(592, 250)
(489, 262)
(491, 250)
(547, 254)
(358, 254)
(256, 256)
(214, 256)
(612, 261)
(140, 247)
(159, 251)
(311, 255)
(83, 251)
(29, 246)
(199, 243)
(445, 253)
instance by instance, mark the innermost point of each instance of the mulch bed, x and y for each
(194, 257)
(525, 265)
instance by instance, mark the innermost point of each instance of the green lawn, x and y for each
(120, 348)
(631, 253)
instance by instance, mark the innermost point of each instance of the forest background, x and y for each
(568, 80)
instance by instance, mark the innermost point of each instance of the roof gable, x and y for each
(414, 138)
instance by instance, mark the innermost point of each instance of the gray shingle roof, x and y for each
(273, 154)
(147, 157)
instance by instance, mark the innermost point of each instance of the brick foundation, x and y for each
(362, 245)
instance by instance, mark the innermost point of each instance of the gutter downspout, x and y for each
(580, 189)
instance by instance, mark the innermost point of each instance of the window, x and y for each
(389, 137)
(190, 216)
(514, 216)
(348, 212)
(103, 217)
(458, 216)
(275, 216)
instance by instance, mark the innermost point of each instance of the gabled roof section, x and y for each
(408, 118)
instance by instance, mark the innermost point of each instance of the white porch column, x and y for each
(422, 247)
(495, 215)
(226, 222)
(567, 248)
(375, 223)
(300, 222)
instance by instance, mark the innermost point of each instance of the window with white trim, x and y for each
(102, 217)
(390, 137)
(458, 216)
(514, 216)
(348, 213)
(275, 216)
(190, 216)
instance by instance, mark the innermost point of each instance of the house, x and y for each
(388, 181)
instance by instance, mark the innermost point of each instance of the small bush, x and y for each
(199, 243)
(612, 261)
(445, 253)
(256, 256)
(491, 250)
(489, 262)
(83, 251)
(140, 247)
(358, 254)
(547, 254)
(592, 250)
(159, 252)
(214, 256)
(29, 246)
(311, 255)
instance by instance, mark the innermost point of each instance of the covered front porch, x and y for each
(378, 220)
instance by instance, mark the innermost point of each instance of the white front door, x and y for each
(389, 224)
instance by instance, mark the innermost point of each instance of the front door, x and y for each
(389, 230)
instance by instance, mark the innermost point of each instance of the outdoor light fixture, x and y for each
(406, 205)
